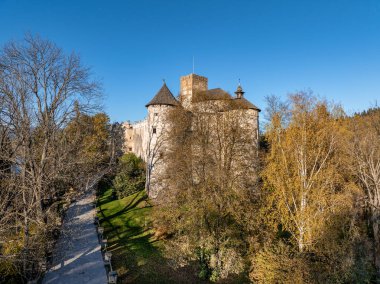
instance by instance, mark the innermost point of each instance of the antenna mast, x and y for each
(193, 64)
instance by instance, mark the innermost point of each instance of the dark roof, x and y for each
(163, 97)
(210, 95)
(219, 94)
(239, 90)
(243, 103)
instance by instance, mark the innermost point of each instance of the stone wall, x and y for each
(189, 85)
(158, 128)
(136, 138)
(148, 138)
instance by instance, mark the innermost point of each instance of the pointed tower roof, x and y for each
(163, 97)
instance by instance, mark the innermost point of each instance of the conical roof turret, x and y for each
(163, 97)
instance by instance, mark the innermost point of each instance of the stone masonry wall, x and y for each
(147, 138)
(189, 85)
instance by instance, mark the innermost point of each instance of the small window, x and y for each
(155, 114)
(130, 149)
(154, 130)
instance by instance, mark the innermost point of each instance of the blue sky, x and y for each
(275, 47)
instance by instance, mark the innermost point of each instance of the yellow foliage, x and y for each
(302, 169)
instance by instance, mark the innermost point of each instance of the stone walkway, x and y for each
(77, 257)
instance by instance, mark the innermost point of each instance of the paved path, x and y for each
(77, 257)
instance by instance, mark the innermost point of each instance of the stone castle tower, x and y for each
(191, 84)
(146, 138)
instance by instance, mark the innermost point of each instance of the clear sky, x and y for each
(275, 47)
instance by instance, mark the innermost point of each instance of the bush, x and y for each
(130, 176)
(282, 263)
(279, 264)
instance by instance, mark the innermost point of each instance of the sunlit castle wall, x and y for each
(148, 138)
(189, 85)
(136, 138)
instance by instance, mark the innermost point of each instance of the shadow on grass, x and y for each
(136, 253)
(104, 185)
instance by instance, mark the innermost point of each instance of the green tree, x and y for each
(130, 175)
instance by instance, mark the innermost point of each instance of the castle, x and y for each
(146, 138)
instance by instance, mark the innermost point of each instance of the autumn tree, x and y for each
(89, 147)
(310, 197)
(210, 181)
(301, 167)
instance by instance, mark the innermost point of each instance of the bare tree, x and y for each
(39, 86)
(209, 178)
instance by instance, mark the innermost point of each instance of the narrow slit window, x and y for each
(154, 130)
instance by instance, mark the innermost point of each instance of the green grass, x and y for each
(136, 254)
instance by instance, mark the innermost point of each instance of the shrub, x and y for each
(130, 176)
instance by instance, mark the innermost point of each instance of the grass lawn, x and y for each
(136, 254)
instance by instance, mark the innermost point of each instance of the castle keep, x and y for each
(147, 138)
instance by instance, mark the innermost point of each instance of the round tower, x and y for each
(158, 107)
(156, 138)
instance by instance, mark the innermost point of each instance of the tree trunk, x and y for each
(148, 175)
(25, 211)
